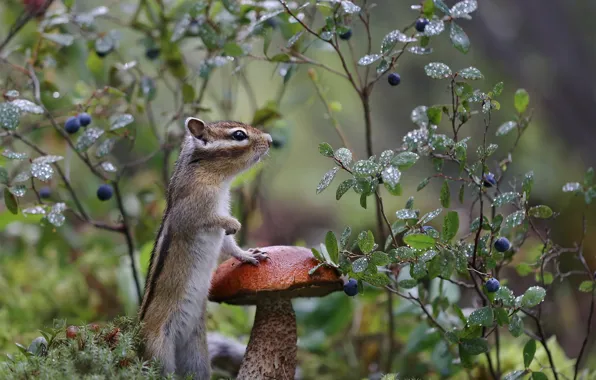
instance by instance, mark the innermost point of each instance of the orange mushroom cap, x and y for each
(283, 274)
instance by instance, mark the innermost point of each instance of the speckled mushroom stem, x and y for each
(271, 351)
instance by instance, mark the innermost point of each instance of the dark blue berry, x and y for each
(152, 52)
(502, 244)
(45, 192)
(427, 228)
(272, 22)
(492, 285)
(105, 192)
(351, 287)
(84, 119)
(394, 79)
(489, 180)
(346, 35)
(421, 24)
(72, 124)
(103, 53)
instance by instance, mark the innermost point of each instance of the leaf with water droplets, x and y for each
(437, 70)
(481, 317)
(428, 255)
(22, 177)
(55, 216)
(434, 28)
(366, 241)
(541, 211)
(459, 38)
(326, 150)
(180, 28)
(28, 106)
(533, 296)
(344, 187)
(120, 121)
(391, 39)
(47, 159)
(18, 190)
(369, 59)
(406, 214)
(471, 73)
(36, 210)
(505, 128)
(515, 219)
(42, 171)
(383, 66)
(420, 241)
(391, 176)
(9, 116)
(386, 157)
(14, 155)
(420, 50)
(419, 116)
(360, 265)
(464, 8)
(365, 168)
(349, 7)
(430, 216)
(88, 138)
(505, 198)
(11, 94)
(442, 6)
(59, 38)
(326, 180)
(343, 155)
(404, 160)
(108, 167)
(571, 187)
(516, 325)
(105, 148)
(11, 201)
(473, 346)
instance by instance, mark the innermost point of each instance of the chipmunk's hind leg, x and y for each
(192, 357)
(163, 350)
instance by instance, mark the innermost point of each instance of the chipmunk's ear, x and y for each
(195, 126)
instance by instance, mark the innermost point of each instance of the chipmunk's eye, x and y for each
(239, 135)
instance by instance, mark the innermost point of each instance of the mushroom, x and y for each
(271, 351)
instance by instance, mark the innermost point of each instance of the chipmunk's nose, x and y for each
(269, 138)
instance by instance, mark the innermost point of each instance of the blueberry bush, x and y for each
(74, 150)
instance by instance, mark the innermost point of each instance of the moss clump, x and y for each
(83, 352)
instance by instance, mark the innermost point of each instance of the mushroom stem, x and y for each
(271, 351)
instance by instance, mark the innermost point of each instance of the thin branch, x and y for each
(542, 340)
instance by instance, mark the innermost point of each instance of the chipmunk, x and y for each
(196, 228)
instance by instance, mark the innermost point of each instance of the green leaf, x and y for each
(474, 346)
(501, 316)
(527, 183)
(471, 73)
(523, 269)
(521, 100)
(379, 258)
(378, 279)
(514, 375)
(188, 93)
(434, 115)
(316, 268)
(462, 190)
(505, 295)
(325, 149)
(269, 113)
(332, 246)
(445, 195)
(3, 175)
(9, 116)
(533, 296)
(344, 187)
(366, 241)
(423, 183)
(442, 6)
(498, 89)
(459, 38)
(360, 265)
(317, 255)
(345, 236)
(419, 241)
(481, 317)
(437, 70)
(430, 216)
(404, 160)
(406, 213)
(363, 200)
(539, 376)
(542, 212)
(59, 38)
(233, 50)
(418, 270)
(401, 254)
(505, 198)
(450, 225)
(148, 88)
(589, 177)
(547, 277)
(505, 128)
(327, 179)
(10, 200)
(515, 219)
(408, 284)
(586, 286)
(516, 325)
(529, 351)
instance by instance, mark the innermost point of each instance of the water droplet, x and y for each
(386, 157)
(464, 8)
(406, 213)
(344, 156)
(368, 59)
(326, 180)
(36, 210)
(437, 70)
(14, 155)
(27, 106)
(419, 50)
(9, 116)
(391, 176)
(434, 28)
(105, 148)
(108, 167)
(571, 186)
(41, 171)
(120, 121)
(471, 73)
(47, 159)
(88, 138)
(22, 177)
(18, 190)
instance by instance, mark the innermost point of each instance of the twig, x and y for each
(542, 340)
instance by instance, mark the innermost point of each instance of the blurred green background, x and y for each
(80, 273)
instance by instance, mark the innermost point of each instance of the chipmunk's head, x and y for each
(224, 148)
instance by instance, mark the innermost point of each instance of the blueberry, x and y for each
(103, 53)
(272, 22)
(489, 180)
(492, 285)
(45, 192)
(105, 192)
(84, 119)
(421, 24)
(502, 244)
(346, 35)
(72, 124)
(426, 228)
(351, 287)
(394, 79)
(152, 52)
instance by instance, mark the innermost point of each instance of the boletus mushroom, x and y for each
(271, 351)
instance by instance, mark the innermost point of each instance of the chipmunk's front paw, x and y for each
(252, 256)
(231, 226)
